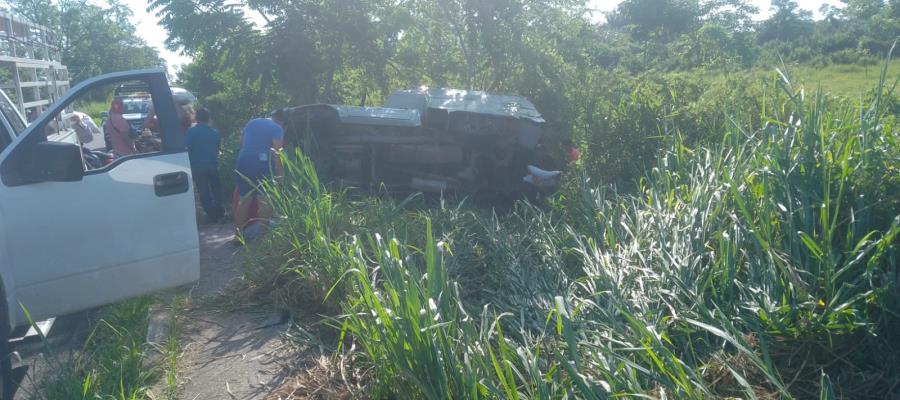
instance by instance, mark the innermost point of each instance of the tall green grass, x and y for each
(110, 365)
(763, 265)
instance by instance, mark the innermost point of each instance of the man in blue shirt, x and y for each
(257, 161)
(203, 143)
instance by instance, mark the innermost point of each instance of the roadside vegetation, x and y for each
(117, 360)
(729, 231)
(759, 259)
(110, 365)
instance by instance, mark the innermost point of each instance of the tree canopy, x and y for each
(358, 51)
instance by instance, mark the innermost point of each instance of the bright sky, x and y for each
(148, 28)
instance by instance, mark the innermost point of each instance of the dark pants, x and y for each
(206, 179)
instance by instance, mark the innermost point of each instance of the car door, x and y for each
(72, 242)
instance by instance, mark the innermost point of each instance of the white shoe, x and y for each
(543, 174)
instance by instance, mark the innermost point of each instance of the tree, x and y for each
(876, 23)
(306, 46)
(100, 40)
(862, 10)
(656, 19)
(42, 12)
(788, 22)
(734, 15)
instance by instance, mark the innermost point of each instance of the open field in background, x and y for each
(847, 80)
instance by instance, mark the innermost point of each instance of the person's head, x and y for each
(277, 116)
(202, 115)
(188, 111)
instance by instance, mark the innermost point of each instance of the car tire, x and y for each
(7, 386)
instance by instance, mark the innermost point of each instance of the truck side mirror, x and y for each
(53, 162)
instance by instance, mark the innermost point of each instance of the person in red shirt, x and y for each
(572, 151)
(118, 130)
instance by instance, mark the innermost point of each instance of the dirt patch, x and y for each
(324, 376)
(232, 348)
(220, 268)
(237, 355)
(229, 348)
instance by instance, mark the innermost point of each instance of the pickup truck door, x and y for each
(107, 234)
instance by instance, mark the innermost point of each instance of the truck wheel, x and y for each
(7, 386)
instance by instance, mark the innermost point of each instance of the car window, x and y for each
(11, 115)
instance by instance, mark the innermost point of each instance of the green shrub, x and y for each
(110, 365)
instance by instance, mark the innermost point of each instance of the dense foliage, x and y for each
(352, 50)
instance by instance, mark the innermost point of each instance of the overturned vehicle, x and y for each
(423, 140)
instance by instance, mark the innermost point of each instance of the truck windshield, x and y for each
(136, 107)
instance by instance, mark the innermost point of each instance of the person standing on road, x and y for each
(119, 130)
(257, 161)
(203, 142)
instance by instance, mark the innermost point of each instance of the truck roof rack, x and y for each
(32, 54)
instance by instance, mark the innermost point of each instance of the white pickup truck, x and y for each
(72, 239)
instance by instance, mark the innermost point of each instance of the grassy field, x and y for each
(846, 80)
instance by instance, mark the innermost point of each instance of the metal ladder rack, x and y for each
(30, 55)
